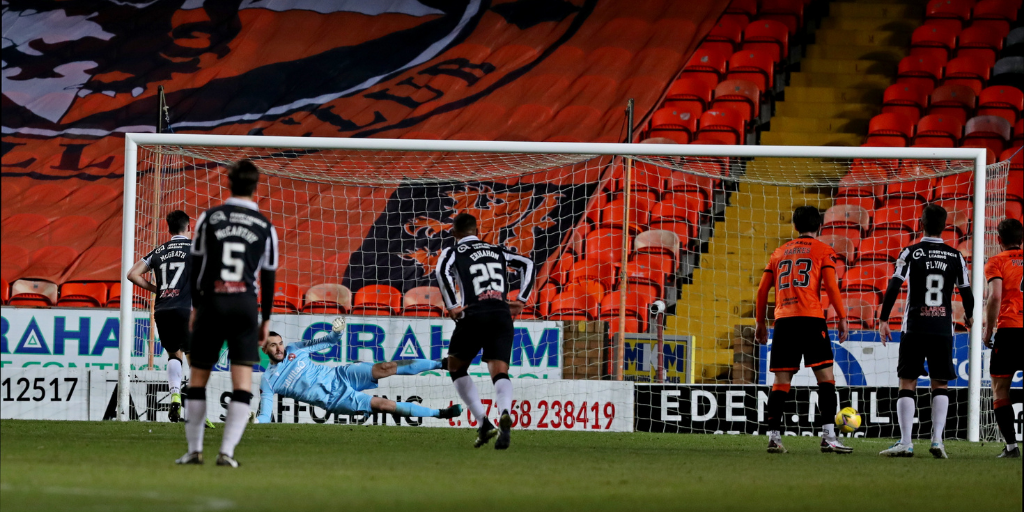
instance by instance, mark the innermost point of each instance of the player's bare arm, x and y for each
(137, 277)
(995, 298)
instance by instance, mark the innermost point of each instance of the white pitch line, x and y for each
(203, 503)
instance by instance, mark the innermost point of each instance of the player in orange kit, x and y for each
(798, 270)
(1003, 315)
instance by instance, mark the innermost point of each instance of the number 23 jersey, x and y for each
(931, 269)
(796, 267)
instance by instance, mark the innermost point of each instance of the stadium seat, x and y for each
(377, 299)
(724, 125)
(896, 128)
(992, 132)
(848, 215)
(898, 218)
(690, 93)
(658, 241)
(31, 293)
(952, 100)
(741, 11)
(788, 12)
(995, 16)
(1015, 210)
(708, 66)
(923, 70)
(701, 184)
(883, 249)
(559, 272)
(967, 71)
(910, 100)
(949, 13)
(739, 95)
(954, 186)
(1008, 71)
(933, 40)
(852, 187)
(978, 43)
(680, 207)
(867, 278)
(596, 206)
(860, 314)
(650, 270)
(424, 301)
(725, 36)
(851, 233)
(1018, 133)
(951, 236)
(5, 292)
(637, 307)
(1003, 101)
(603, 273)
(769, 36)
(529, 310)
(675, 122)
(545, 295)
(575, 303)
(327, 298)
(844, 247)
(899, 309)
(752, 65)
(114, 292)
(287, 298)
(613, 216)
(941, 129)
(83, 295)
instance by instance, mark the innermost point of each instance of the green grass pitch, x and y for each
(87, 466)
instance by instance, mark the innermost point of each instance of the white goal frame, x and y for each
(133, 140)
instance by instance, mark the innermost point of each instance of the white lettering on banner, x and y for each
(874, 417)
(732, 405)
(667, 402)
(712, 405)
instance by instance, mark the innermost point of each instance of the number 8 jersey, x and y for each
(931, 269)
(796, 267)
(473, 274)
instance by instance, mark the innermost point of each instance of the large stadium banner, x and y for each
(88, 339)
(740, 409)
(864, 361)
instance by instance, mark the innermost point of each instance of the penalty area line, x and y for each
(202, 503)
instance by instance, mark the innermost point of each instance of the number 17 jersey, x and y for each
(796, 267)
(931, 269)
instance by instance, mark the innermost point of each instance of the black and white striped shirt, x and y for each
(233, 242)
(931, 269)
(474, 274)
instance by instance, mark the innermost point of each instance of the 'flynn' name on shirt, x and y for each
(237, 231)
(938, 265)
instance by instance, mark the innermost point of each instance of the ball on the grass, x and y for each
(848, 420)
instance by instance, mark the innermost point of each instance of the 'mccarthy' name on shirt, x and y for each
(482, 254)
(238, 231)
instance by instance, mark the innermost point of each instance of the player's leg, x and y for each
(498, 354)
(776, 408)
(1006, 361)
(828, 404)
(404, 367)
(785, 361)
(173, 328)
(464, 346)
(939, 353)
(243, 350)
(909, 367)
(940, 408)
(206, 343)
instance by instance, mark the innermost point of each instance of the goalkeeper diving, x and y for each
(338, 389)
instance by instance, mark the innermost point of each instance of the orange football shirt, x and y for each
(796, 267)
(1007, 266)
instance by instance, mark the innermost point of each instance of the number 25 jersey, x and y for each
(473, 274)
(796, 267)
(931, 269)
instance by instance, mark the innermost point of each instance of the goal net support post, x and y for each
(309, 164)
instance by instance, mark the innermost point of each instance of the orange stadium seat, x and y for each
(708, 66)
(788, 12)
(910, 100)
(880, 249)
(933, 41)
(637, 304)
(83, 295)
(860, 314)
(867, 278)
(895, 128)
(603, 273)
(954, 186)
(967, 71)
(639, 214)
(545, 295)
(1003, 101)
(899, 309)
(689, 92)
(287, 298)
(676, 123)
(753, 65)
(425, 301)
(1015, 183)
(650, 270)
(327, 298)
(740, 95)
(918, 190)
(575, 303)
(529, 310)
(978, 43)
(991, 132)
(948, 13)
(848, 215)
(742, 11)
(659, 241)
(902, 217)
(844, 247)
(559, 272)
(725, 36)
(952, 100)
(604, 245)
(923, 70)
(596, 206)
(942, 129)
(995, 16)
(724, 125)
(769, 36)
(31, 293)
(377, 299)
(1015, 210)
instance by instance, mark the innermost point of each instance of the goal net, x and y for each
(615, 231)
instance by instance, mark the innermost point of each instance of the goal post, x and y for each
(577, 173)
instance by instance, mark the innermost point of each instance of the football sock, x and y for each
(940, 406)
(827, 403)
(469, 395)
(776, 405)
(503, 392)
(416, 366)
(905, 407)
(195, 424)
(174, 375)
(1004, 418)
(234, 425)
(407, 409)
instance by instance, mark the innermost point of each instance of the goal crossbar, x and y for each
(134, 140)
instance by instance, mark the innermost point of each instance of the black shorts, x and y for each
(915, 348)
(491, 331)
(172, 326)
(1007, 358)
(230, 318)
(800, 337)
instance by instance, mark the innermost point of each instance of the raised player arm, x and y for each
(318, 344)
(135, 275)
(266, 400)
(448, 279)
(524, 267)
